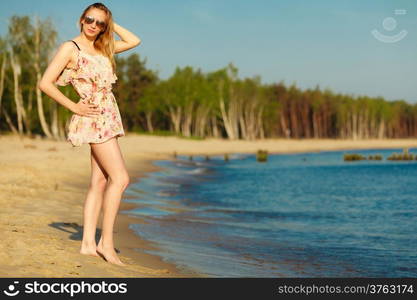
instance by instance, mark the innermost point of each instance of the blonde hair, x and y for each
(104, 41)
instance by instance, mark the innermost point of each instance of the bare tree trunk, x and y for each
(28, 122)
(175, 115)
(228, 117)
(283, 123)
(294, 119)
(201, 120)
(214, 127)
(54, 118)
(187, 120)
(203, 123)
(67, 122)
(2, 77)
(305, 120)
(9, 122)
(36, 64)
(260, 124)
(365, 125)
(315, 125)
(148, 116)
(61, 131)
(354, 125)
(348, 126)
(20, 111)
(381, 130)
(227, 124)
(251, 119)
(242, 124)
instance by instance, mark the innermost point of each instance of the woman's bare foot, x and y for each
(88, 250)
(109, 254)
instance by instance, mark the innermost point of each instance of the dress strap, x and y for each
(76, 44)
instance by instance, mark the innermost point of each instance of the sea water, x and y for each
(296, 215)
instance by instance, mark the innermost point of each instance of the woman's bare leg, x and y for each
(109, 156)
(92, 207)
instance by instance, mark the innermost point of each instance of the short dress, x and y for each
(92, 78)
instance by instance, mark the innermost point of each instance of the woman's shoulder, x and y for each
(69, 44)
(67, 48)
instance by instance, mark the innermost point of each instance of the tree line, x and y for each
(189, 103)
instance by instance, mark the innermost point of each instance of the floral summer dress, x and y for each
(92, 78)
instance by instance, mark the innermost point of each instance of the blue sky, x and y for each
(306, 42)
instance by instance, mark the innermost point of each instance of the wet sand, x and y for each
(43, 185)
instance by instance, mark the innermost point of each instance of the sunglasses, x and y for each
(90, 20)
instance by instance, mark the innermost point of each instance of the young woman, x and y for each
(87, 63)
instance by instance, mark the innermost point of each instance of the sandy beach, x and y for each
(43, 185)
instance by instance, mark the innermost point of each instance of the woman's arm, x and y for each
(54, 69)
(129, 40)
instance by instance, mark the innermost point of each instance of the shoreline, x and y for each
(43, 185)
(131, 242)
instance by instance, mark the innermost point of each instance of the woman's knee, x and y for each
(99, 183)
(121, 179)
